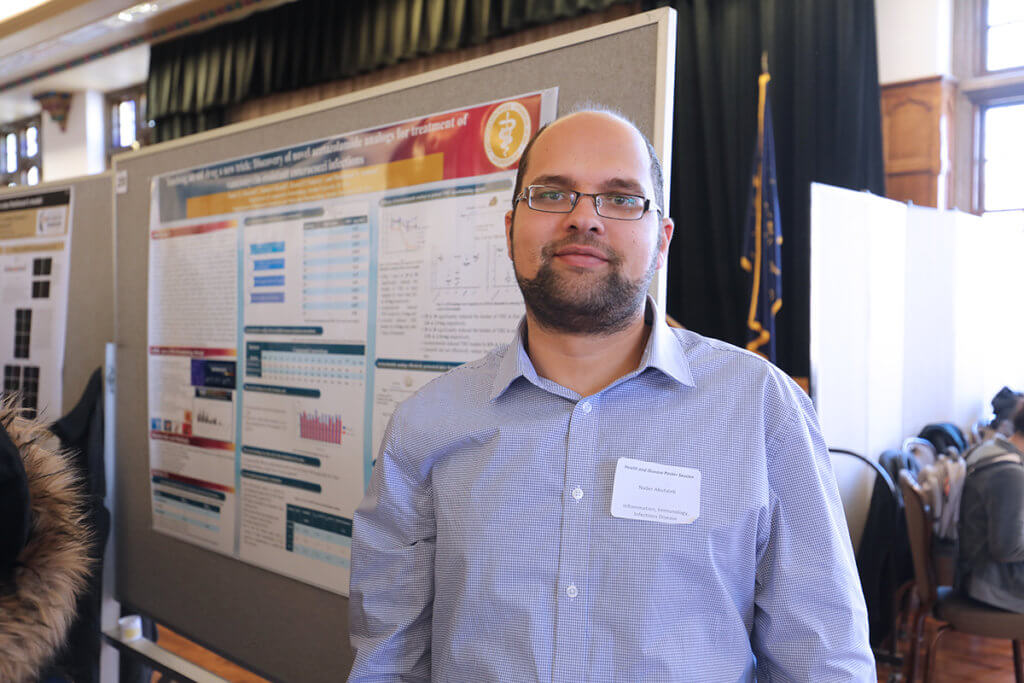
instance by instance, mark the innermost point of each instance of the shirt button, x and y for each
(572, 591)
(577, 493)
(586, 406)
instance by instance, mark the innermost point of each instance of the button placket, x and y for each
(572, 632)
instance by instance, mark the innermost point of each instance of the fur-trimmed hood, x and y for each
(38, 604)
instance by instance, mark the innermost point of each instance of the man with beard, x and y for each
(606, 498)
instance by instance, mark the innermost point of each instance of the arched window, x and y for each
(20, 152)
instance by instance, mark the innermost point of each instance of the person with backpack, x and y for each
(991, 557)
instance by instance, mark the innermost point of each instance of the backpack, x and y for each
(942, 435)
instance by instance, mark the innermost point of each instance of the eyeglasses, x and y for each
(623, 207)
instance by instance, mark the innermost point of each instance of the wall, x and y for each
(80, 149)
(914, 39)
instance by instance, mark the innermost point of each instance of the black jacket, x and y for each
(883, 557)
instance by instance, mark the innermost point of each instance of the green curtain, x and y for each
(193, 79)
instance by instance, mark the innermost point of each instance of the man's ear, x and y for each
(666, 228)
(508, 231)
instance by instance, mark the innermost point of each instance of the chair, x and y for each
(879, 470)
(922, 449)
(884, 655)
(958, 612)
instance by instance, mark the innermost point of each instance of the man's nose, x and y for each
(584, 216)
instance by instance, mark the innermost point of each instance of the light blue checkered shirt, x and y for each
(476, 558)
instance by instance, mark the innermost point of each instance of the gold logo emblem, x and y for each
(506, 134)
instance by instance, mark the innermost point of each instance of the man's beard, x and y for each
(602, 307)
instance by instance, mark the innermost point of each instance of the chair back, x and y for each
(879, 470)
(919, 530)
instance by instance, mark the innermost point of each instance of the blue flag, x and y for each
(762, 240)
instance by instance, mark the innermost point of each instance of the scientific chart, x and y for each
(296, 297)
(35, 248)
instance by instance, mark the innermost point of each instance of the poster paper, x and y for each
(296, 297)
(35, 254)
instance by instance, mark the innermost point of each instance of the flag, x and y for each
(762, 240)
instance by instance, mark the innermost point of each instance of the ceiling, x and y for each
(47, 37)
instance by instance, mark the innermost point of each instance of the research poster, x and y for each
(296, 297)
(35, 251)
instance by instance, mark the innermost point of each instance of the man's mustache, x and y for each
(548, 251)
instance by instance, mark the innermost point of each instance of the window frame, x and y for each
(982, 59)
(979, 89)
(25, 161)
(143, 131)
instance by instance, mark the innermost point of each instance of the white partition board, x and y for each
(858, 244)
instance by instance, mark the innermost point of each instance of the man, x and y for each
(991, 557)
(606, 499)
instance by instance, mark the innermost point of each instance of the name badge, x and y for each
(654, 492)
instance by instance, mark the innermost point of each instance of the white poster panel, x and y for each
(35, 248)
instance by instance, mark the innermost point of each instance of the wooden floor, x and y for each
(961, 659)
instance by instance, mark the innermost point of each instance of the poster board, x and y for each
(57, 284)
(296, 297)
(282, 628)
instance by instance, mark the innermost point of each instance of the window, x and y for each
(129, 126)
(989, 63)
(1002, 162)
(1004, 34)
(20, 152)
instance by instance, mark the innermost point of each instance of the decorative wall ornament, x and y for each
(56, 104)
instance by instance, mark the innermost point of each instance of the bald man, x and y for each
(605, 498)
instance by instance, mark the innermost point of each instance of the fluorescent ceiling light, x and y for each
(141, 10)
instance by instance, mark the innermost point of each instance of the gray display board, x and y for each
(90, 318)
(282, 628)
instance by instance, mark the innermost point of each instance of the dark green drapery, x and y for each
(825, 105)
(193, 79)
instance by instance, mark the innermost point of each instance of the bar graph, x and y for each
(321, 427)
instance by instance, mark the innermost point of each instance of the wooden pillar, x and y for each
(917, 128)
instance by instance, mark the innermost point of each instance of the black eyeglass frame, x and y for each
(575, 196)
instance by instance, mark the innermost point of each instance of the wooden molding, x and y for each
(917, 126)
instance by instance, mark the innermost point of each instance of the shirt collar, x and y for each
(662, 352)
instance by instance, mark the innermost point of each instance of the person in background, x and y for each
(991, 556)
(44, 547)
(605, 498)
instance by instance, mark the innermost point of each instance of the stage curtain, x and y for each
(195, 78)
(826, 109)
